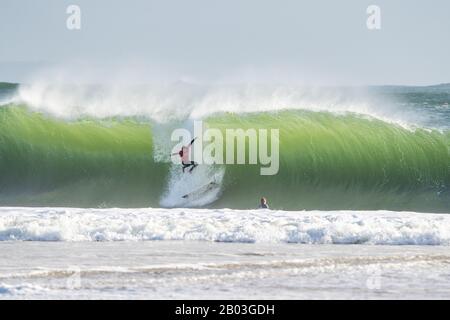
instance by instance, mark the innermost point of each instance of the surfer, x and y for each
(263, 204)
(184, 155)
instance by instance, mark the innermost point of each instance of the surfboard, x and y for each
(201, 190)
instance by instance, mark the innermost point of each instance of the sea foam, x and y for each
(224, 225)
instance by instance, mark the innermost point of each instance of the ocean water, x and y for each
(78, 253)
(380, 148)
(91, 205)
(224, 225)
(214, 270)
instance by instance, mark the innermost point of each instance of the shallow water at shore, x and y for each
(212, 270)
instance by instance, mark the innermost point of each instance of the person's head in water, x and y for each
(263, 204)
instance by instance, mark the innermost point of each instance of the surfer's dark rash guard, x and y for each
(188, 164)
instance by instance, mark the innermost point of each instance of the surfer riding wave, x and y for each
(184, 155)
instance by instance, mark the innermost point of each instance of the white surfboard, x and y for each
(198, 192)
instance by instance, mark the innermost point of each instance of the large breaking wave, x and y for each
(57, 152)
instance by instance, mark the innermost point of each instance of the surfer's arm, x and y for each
(174, 154)
(192, 141)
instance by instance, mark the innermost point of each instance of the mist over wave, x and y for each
(181, 100)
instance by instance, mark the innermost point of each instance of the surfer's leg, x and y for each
(193, 165)
(185, 165)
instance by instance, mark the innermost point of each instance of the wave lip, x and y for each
(224, 225)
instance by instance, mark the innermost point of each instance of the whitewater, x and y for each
(157, 253)
(224, 225)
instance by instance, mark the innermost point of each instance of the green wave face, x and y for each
(327, 161)
(85, 163)
(343, 162)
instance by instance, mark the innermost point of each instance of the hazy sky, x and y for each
(308, 41)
